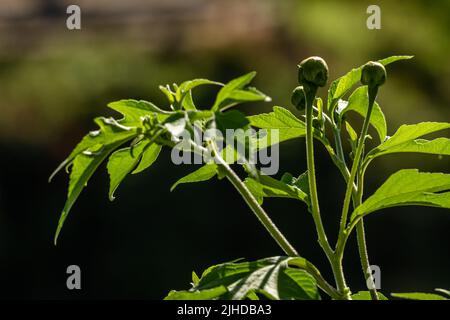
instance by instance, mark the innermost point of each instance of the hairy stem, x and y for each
(362, 245)
(334, 260)
(355, 165)
(343, 231)
(257, 209)
(312, 178)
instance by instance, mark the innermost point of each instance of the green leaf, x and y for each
(268, 187)
(444, 291)
(110, 132)
(365, 295)
(281, 119)
(232, 119)
(409, 132)
(184, 91)
(188, 102)
(207, 294)
(122, 162)
(418, 296)
(205, 173)
(342, 85)
(233, 92)
(195, 278)
(359, 102)
(168, 93)
(408, 187)
(440, 146)
(134, 110)
(351, 132)
(271, 277)
(82, 169)
(88, 155)
(404, 140)
(149, 156)
(191, 84)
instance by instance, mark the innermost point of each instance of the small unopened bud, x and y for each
(313, 71)
(373, 74)
(298, 98)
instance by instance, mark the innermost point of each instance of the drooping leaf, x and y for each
(268, 187)
(408, 187)
(342, 85)
(122, 162)
(149, 156)
(418, 296)
(110, 132)
(365, 295)
(88, 155)
(205, 173)
(271, 277)
(359, 103)
(281, 119)
(83, 167)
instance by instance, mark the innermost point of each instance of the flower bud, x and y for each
(313, 70)
(373, 74)
(298, 98)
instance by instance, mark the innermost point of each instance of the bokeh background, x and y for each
(54, 81)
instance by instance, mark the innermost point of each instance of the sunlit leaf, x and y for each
(365, 295)
(270, 277)
(418, 296)
(149, 156)
(110, 131)
(281, 119)
(122, 162)
(409, 187)
(235, 92)
(268, 187)
(342, 85)
(205, 173)
(359, 103)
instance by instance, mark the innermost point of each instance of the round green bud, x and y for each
(313, 70)
(298, 98)
(373, 74)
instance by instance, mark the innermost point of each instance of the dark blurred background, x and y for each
(53, 81)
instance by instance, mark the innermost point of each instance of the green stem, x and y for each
(322, 238)
(362, 245)
(334, 260)
(257, 209)
(355, 165)
(344, 231)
